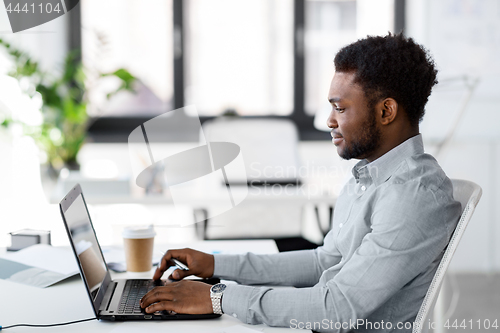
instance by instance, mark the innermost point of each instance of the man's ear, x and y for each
(388, 111)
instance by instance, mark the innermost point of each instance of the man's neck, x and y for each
(391, 142)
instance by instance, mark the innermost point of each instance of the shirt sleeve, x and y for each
(407, 236)
(294, 268)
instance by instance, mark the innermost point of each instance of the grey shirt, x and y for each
(391, 224)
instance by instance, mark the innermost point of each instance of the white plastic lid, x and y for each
(139, 232)
(82, 245)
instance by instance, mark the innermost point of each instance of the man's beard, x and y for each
(365, 143)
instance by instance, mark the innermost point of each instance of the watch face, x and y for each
(218, 288)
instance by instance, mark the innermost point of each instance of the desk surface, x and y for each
(68, 301)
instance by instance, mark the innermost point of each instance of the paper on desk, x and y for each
(46, 257)
(39, 265)
(184, 326)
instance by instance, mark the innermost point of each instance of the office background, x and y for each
(274, 59)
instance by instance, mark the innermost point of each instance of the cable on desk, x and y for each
(47, 325)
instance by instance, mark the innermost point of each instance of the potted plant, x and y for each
(64, 108)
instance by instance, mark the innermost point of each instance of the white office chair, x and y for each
(468, 194)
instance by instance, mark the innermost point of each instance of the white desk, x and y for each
(68, 301)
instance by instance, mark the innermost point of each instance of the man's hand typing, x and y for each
(189, 297)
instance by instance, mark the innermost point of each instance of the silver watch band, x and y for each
(217, 303)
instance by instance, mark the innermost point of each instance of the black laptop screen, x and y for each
(85, 244)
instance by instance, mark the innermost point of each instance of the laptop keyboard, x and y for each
(132, 294)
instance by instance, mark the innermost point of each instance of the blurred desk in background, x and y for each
(268, 211)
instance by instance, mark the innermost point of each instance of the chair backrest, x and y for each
(468, 194)
(269, 146)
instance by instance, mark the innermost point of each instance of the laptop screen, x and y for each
(85, 244)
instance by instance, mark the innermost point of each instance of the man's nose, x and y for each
(331, 122)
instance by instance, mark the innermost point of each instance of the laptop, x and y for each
(116, 300)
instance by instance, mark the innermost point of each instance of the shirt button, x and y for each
(363, 188)
(235, 315)
(341, 225)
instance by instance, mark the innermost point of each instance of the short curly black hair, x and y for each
(391, 66)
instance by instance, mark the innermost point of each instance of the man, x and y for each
(392, 220)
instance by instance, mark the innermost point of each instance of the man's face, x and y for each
(353, 123)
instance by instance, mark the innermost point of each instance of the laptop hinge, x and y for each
(109, 296)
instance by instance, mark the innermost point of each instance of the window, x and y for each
(330, 25)
(257, 57)
(135, 35)
(239, 55)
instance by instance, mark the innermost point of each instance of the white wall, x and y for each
(477, 161)
(464, 38)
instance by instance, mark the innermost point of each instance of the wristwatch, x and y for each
(216, 295)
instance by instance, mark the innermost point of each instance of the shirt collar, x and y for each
(383, 167)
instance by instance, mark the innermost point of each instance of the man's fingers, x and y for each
(181, 255)
(156, 295)
(181, 297)
(165, 262)
(158, 274)
(179, 274)
(163, 305)
(163, 266)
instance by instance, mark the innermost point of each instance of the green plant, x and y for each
(64, 96)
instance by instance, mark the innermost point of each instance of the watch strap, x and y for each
(217, 303)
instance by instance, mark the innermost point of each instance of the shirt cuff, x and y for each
(235, 300)
(225, 265)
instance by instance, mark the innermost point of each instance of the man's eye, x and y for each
(339, 110)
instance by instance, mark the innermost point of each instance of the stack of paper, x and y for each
(39, 265)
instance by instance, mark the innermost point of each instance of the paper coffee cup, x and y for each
(138, 243)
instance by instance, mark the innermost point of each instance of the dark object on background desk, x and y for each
(27, 237)
(294, 244)
(117, 267)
